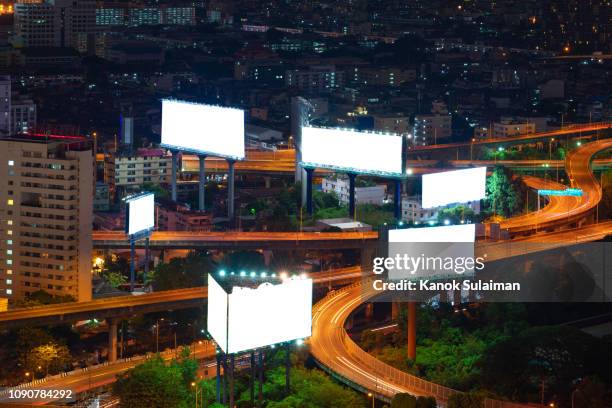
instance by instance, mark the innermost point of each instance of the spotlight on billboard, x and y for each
(243, 318)
(353, 151)
(454, 187)
(140, 215)
(203, 129)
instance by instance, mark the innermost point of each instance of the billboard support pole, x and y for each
(174, 169)
(352, 177)
(287, 368)
(231, 381)
(252, 378)
(202, 182)
(218, 379)
(230, 189)
(260, 385)
(132, 263)
(309, 173)
(147, 257)
(397, 199)
(224, 360)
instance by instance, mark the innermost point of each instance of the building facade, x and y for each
(126, 173)
(363, 195)
(57, 23)
(45, 217)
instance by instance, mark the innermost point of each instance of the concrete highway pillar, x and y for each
(147, 258)
(369, 310)
(397, 199)
(309, 173)
(395, 307)
(112, 340)
(444, 296)
(230, 189)
(174, 170)
(202, 183)
(456, 298)
(352, 177)
(412, 330)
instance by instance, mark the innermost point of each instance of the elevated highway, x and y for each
(564, 210)
(239, 240)
(507, 141)
(130, 305)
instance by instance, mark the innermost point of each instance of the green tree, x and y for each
(187, 272)
(553, 355)
(403, 400)
(426, 402)
(465, 400)
(503, 196)
(154, 384)
(156, 189)
(243, 260)
(49, 358)
(456, 214)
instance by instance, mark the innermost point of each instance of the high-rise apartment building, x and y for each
(46, 193)
(127, 171)
(54, 23)
(5, 105)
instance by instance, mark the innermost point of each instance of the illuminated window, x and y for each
(11, 162)
(9, 291)
(9, 222)
(9, 261)
(9, 201)
(9, 271)
(9, 281)
(9, 232)
(9, 252)
(9, 242)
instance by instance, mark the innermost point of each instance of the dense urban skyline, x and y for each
(305, 204)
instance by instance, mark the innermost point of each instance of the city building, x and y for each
(101, 200)
(170, 216)
(432, 128)
(374, 194)
(45, 216)
(5, 105)
(509, 127)
(392, 123)
(414, 213)
(316, 78)
(385, 76)
(23, 115)
(125, 173)
(54, 23)
(342, 224)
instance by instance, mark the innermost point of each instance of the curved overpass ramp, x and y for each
(564, 210)
(338, 354)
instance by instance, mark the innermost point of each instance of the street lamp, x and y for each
(370, 395)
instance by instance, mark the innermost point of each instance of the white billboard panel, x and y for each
(457, 186)
(260, 317)
(446, 233)
(203, 129)
(352, 151)
(140, 214)
(434, 252)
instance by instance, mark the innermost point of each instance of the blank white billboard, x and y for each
(249, 318)
(447, 233)
(353, 151)
(434, 252)
(203, 129)
(454, 187)
(140, 214)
